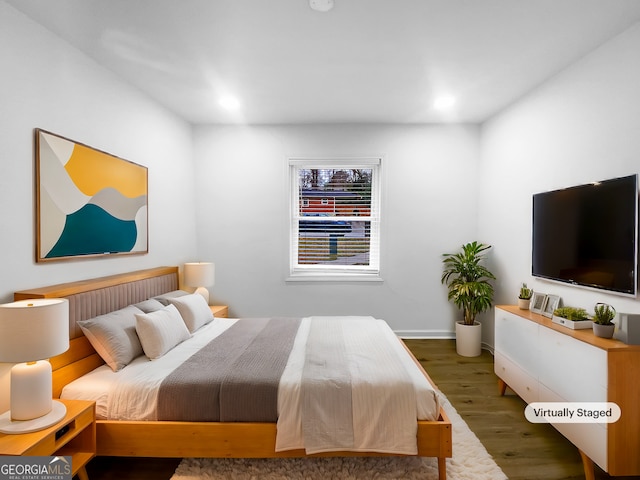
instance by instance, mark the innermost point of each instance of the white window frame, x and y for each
(304, 272)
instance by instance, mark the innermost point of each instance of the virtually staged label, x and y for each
(572, 412)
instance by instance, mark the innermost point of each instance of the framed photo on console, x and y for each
(537, 302)
(550, 304)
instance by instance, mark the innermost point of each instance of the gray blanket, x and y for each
(234, 378)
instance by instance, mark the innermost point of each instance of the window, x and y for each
(335, 219)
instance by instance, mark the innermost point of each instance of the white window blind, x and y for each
(335, 217)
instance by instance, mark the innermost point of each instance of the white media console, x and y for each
(545, 362)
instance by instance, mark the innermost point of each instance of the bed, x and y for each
(90, 298)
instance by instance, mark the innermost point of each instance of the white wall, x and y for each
(45, 83)
(428, 208)
(581, 126)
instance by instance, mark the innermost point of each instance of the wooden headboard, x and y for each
(89, 298)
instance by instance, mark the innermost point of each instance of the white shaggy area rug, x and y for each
(470, 462)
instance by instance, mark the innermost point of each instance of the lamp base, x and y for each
(57, 413)
(204, 291)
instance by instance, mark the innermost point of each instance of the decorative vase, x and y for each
(603, 331)
(523, 303)
(468, 339)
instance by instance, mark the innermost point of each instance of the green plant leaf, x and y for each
(467, 280)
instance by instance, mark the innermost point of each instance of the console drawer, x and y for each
(517, 339)
(572, 369)
(517, 378)
(591, 438)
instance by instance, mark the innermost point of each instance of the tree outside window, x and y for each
(335, 217)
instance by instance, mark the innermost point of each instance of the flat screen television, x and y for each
(587, 235)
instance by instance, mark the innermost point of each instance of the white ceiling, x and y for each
(363, 61)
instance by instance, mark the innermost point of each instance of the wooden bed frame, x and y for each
(89, 298)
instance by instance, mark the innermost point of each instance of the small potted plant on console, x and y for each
(602, 324)
(524, 298)
(572, 317)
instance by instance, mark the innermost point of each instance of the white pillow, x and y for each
(113, 336)
(160, 331)
(194, 310)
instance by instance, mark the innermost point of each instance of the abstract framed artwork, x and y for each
(88, 202)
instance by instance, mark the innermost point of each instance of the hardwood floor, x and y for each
(523, 450)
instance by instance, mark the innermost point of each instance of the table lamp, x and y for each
(32, 331)
(200, 275)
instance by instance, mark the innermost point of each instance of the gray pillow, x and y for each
(149, 306)
(114, 336)
(164, 298)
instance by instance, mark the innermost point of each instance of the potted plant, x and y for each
(602, 324)
(469, 289)
(524, 298)
(571, 317)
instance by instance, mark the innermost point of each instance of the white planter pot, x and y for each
(572, 324)
(523, 304)
(468, 339)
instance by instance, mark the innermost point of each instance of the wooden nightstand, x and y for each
(220, 311)
(76, 434)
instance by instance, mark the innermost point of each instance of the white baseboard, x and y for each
(434, 335)
(425, 334)
(489, 348)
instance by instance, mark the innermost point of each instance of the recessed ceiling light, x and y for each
(229, 102)
(444, 102)
(321, 5)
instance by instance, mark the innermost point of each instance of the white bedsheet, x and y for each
(373, 431)
(130, 394)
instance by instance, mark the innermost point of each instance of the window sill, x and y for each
(327, 277)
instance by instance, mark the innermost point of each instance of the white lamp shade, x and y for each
(199, 274)
(33, 329)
